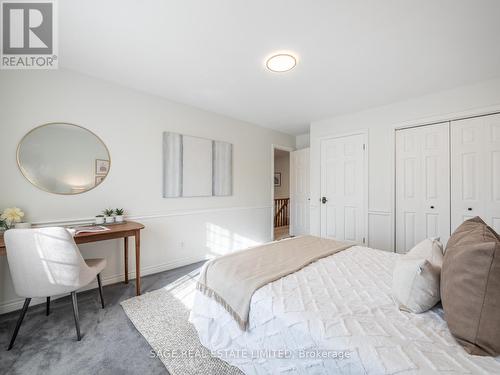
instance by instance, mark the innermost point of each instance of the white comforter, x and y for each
(335, 316)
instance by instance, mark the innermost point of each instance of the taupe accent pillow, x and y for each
(470, 287)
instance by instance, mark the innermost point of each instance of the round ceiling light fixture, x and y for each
(281, 62)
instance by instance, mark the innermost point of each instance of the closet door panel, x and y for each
(475, 152)
(408, 192)
(422, 185)
(492, 178)
(436, 168)
(466, 164)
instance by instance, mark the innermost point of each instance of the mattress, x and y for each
(335, 316)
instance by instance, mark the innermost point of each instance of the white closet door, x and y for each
(492, 168)
(475, 155)
(343, 188)
(422, 185)
(299, 192)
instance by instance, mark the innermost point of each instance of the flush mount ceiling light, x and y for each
(282, 62)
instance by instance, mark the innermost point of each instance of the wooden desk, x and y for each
(125, 230)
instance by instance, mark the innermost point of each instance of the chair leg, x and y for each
(75, 314)
(47, 312)
(19, 322)
(100, 289)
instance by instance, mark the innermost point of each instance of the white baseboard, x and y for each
(17, 304)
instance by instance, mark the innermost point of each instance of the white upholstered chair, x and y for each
(45, 262)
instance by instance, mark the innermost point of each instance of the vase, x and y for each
(119, 218)
(109, 219)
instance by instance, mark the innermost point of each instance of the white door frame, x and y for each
(282, 148)
(364, 133)
(293, 180)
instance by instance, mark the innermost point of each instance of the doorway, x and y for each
(281, 193)
(344, 192)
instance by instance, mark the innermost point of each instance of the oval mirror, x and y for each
(63, 158)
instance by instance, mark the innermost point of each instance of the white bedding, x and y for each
(338, 308)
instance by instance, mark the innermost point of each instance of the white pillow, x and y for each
(416, 277)
(430, 249)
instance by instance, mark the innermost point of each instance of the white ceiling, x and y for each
(353, 54)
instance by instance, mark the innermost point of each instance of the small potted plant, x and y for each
(119, 215)
(3, 226)
(108, 215)
(99, 219)
(11, 216)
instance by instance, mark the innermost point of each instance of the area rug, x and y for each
(162, 318)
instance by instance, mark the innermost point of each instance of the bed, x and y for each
(335, 316)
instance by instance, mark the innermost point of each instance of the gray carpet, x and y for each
(110, 343)
(162, 318)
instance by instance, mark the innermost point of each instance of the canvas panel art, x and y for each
(196, 167)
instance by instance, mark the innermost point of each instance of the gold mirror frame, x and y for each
(26, 175)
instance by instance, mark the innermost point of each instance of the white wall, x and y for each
(282, 165)
(302, 141)
(380, 123)
(178, 231)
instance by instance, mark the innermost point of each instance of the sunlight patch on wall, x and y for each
(221, 241)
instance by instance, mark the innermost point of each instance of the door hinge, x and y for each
(364, 146)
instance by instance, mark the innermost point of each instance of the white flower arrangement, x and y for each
(11, 216)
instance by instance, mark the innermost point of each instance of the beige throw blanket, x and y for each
(232, 279)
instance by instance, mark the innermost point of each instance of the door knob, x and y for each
(324, 200)
(469, 209)
(432, 207)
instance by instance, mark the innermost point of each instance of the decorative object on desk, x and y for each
(277, 179)
(60, 158)
(101, 167)
(99, 179)
(108, 215)
(99, 219)
(88, 229)
(11, 216)
(119, 215)
(196, 167)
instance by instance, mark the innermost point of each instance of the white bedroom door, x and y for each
(475, 170)
(299, 192)
(344, 188)
(422, 185)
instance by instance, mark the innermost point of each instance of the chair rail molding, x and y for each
(138, 217)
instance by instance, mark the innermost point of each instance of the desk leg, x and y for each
(138, 263)
(125, 249)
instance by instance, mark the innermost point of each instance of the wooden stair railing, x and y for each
(281, 212)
